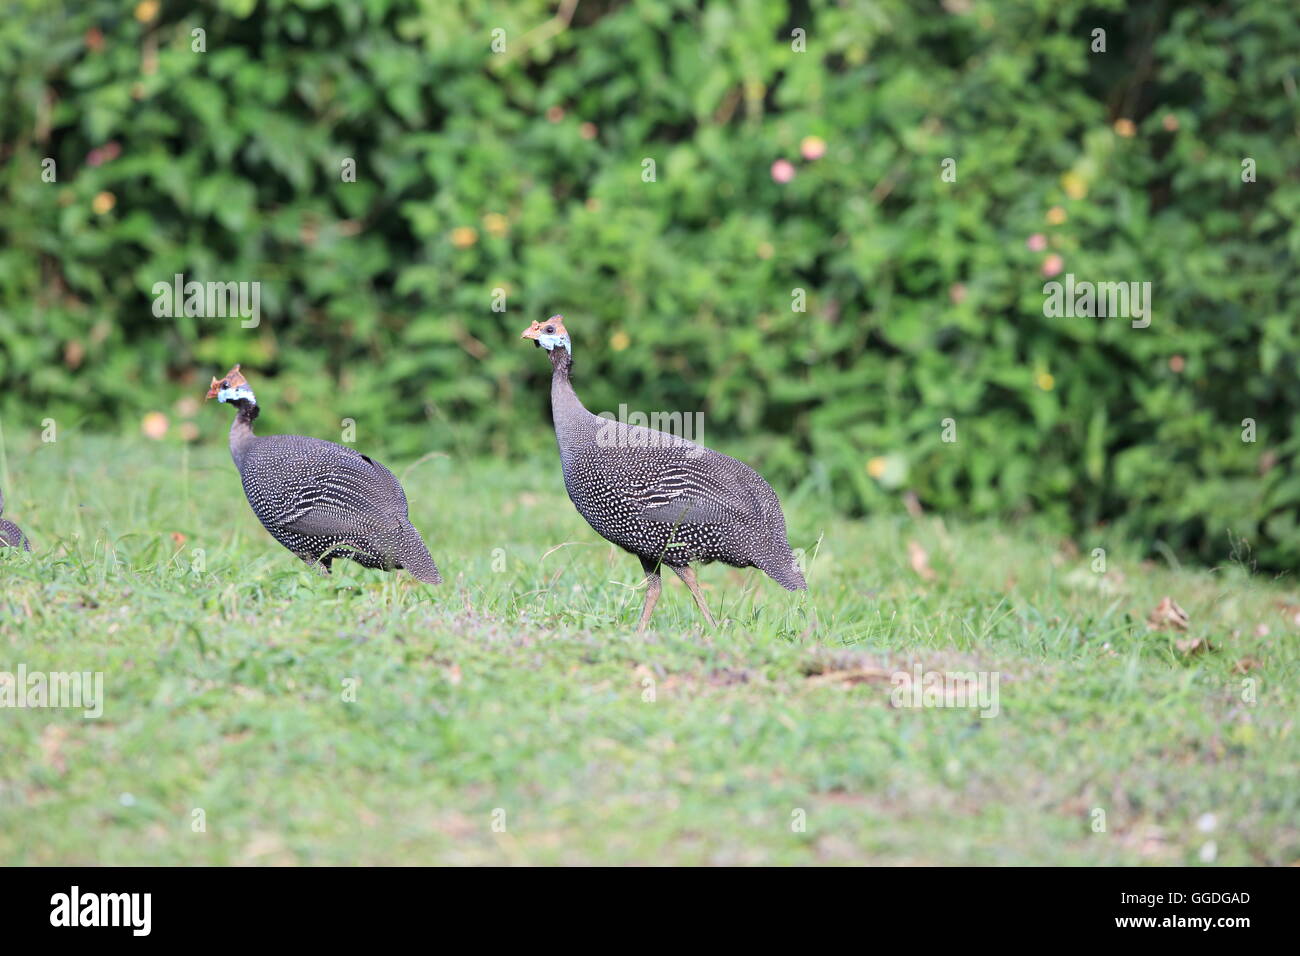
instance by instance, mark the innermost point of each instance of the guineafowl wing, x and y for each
(323, 489)
(684, 509)
(696, 485)
(351, 494)
(324, 522)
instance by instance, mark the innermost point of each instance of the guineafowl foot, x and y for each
(687, 574)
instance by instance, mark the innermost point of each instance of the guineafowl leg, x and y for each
(653, 585)
(687, 574)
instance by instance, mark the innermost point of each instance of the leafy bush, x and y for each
(523, 171)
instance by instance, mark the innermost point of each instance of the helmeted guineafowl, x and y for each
(663, 498)
(321, 500)
(11, 536)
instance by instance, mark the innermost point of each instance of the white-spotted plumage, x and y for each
(672, 501)
(324, 501)
(667, 500)
(11, 536)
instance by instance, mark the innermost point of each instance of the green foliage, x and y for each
(924, 300)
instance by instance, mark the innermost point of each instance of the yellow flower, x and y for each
(104, 202)
(619, 341)
(812, 147)
(1056, 215)
(1045, 381)
(146, 10)
(876, 467)
(496, 224)
(462, 237)
(1125, 128)
(1075, 186)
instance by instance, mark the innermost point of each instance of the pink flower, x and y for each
(104, 154)
(782, 171)
(1037, 242)
(957, 293)
(1053, 265)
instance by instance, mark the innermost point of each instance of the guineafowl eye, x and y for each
(550, 330)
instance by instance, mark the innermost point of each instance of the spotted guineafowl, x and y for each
(665, 499)
(320, 500)
(11, 536)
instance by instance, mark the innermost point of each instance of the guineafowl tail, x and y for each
(784, 570)
(414, 556)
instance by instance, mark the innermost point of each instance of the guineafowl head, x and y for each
(232, 387)
(550, 334)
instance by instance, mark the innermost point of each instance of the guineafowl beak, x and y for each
(549, 334)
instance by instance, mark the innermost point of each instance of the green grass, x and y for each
(518, 684)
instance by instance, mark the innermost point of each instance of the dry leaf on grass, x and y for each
(860, 675)
(1167, 614)
(1193, 645)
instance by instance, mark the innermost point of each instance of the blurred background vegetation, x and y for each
(776, 169)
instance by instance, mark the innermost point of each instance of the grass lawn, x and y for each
(516, 693)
